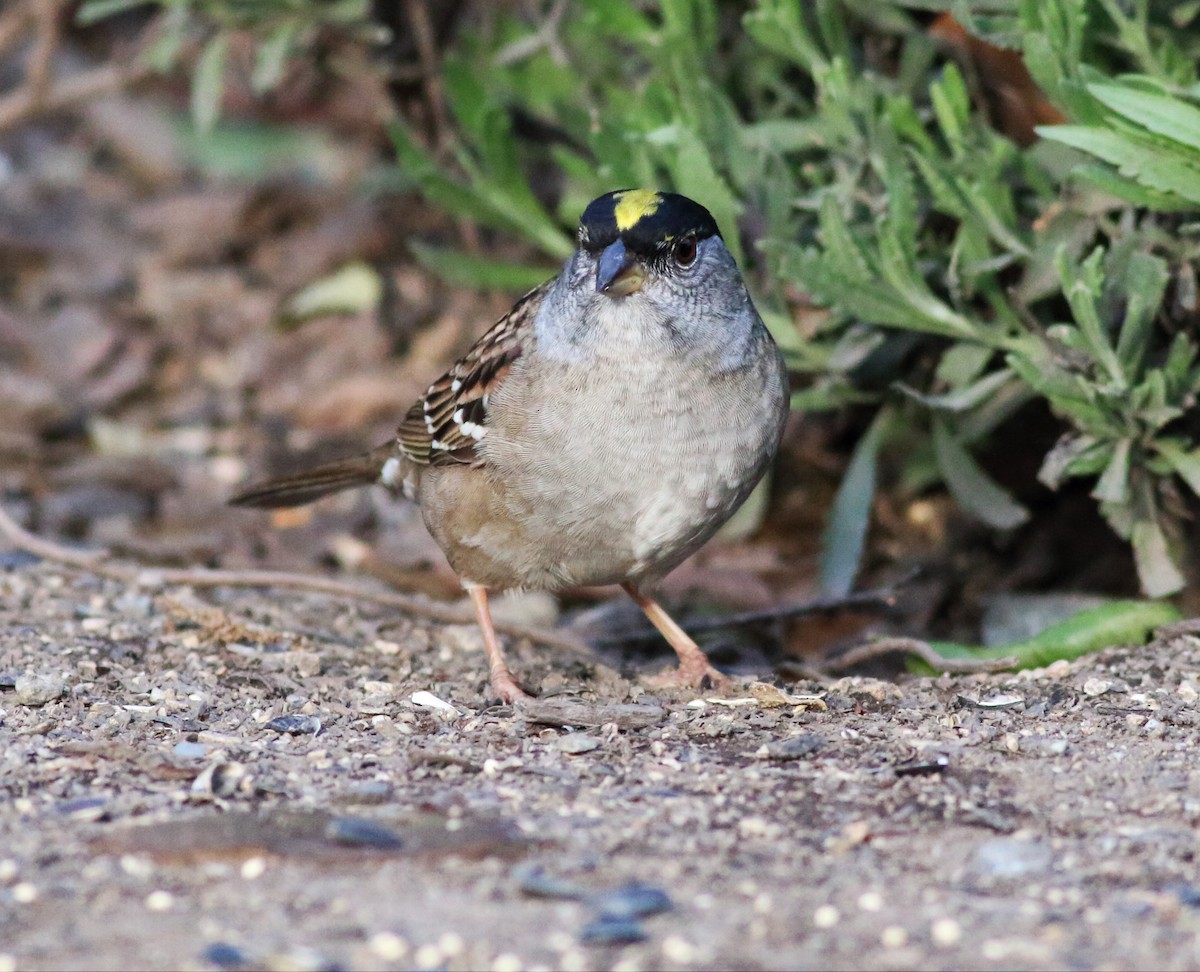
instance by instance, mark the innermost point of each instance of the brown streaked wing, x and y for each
(446, 423)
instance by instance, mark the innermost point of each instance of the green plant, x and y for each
(964, 276)
(280, 29)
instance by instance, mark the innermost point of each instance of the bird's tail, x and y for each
(304, 487)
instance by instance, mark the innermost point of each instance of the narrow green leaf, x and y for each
(975, 491)
(1186, 462)
(465, 270)
(1156, 567)
(1170, 117)
(1142, 160)
(1113, 486)
(961, 399)
(208, 83)
(94, 10)
(1145, 283)
(272, 56)
(846, 532)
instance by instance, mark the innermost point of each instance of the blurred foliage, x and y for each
(851, 162)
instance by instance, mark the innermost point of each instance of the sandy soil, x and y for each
(248, 779)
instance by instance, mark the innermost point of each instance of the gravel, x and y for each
(267, 784)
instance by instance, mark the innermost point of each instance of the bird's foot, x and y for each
(693, 672)
(506, 689)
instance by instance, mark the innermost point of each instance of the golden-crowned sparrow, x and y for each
(600, 432)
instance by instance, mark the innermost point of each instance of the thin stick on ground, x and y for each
(99, 562)
(923, 650)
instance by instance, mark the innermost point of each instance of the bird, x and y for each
(599, 433)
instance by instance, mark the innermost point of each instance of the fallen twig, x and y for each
(882, 597)
(923, 650)
(99, 562)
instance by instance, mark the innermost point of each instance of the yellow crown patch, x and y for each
(634, 206)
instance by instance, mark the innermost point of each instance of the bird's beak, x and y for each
(619, 272)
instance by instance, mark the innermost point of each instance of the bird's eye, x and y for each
(685, 252)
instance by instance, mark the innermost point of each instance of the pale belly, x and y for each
(602, 490)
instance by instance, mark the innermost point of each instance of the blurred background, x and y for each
(236, 237)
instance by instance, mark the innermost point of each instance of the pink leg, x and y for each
(503, 683)
(694, 666)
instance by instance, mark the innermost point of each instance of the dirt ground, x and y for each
(253, 779)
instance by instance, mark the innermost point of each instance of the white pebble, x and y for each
(428, 957)
(507, 962)
(24, 893)
(893, 937)
(427, 700)
(870, 901)
(160, 901)
(388, 946)
(945, 932)
(826, 916)
(678, 951)
(253, 868)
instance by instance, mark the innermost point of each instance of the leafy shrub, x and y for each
(855, 159)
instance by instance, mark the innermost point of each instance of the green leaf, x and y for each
(1113, 486)
(272, 57)
(1145, 283)
(846, 532)
(1170, 117)
(465, 270)
(1141, 159)
(208, 83)
(975, 491)
(1156, 567)
(96, 10)
(961, 399)
(354, 288)
(1186, 462)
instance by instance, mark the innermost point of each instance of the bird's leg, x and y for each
(694, 666)
(503, 683)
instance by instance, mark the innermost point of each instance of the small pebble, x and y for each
(577, 742)
(388, 946)
(826, 916)
(253, 868)
(945, 932)
(356, 832)
(85, 808)
(507, 962)
(24, 893)
(35, 689)
(427, 700)
(634, 900)
(893, 937)
(190, 750)
(297, 725)
(160, 901)
(612, 931)
(1007, 857)
(678, 951)
(225, 956)
(795, 747)
(870, 901)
